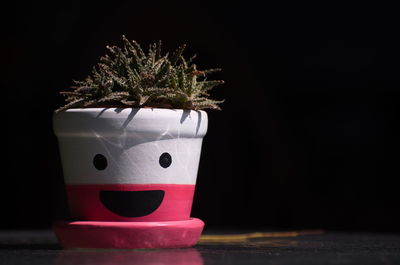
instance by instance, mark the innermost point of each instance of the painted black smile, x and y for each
(132, 203)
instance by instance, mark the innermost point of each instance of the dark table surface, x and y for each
(315, 247)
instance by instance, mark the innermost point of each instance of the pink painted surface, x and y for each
(128, 235)
(85, 204)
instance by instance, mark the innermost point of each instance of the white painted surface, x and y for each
(132, 140)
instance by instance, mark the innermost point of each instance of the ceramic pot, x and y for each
(130, 164)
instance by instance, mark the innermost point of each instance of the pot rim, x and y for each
(150, 122)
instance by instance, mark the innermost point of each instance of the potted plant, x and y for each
(130, 138)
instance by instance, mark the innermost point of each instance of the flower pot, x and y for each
(130, 165)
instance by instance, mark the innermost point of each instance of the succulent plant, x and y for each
(129, 77)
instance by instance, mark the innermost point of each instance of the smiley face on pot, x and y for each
(132, 203)
(130, 174)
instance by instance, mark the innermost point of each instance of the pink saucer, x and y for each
(128, 235)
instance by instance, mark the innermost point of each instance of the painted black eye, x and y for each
(165, 160)
(100, 162)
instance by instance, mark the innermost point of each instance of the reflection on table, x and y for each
(188, 256)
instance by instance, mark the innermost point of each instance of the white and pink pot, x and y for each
(130, 176)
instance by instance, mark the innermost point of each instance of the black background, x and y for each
(308, 136)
